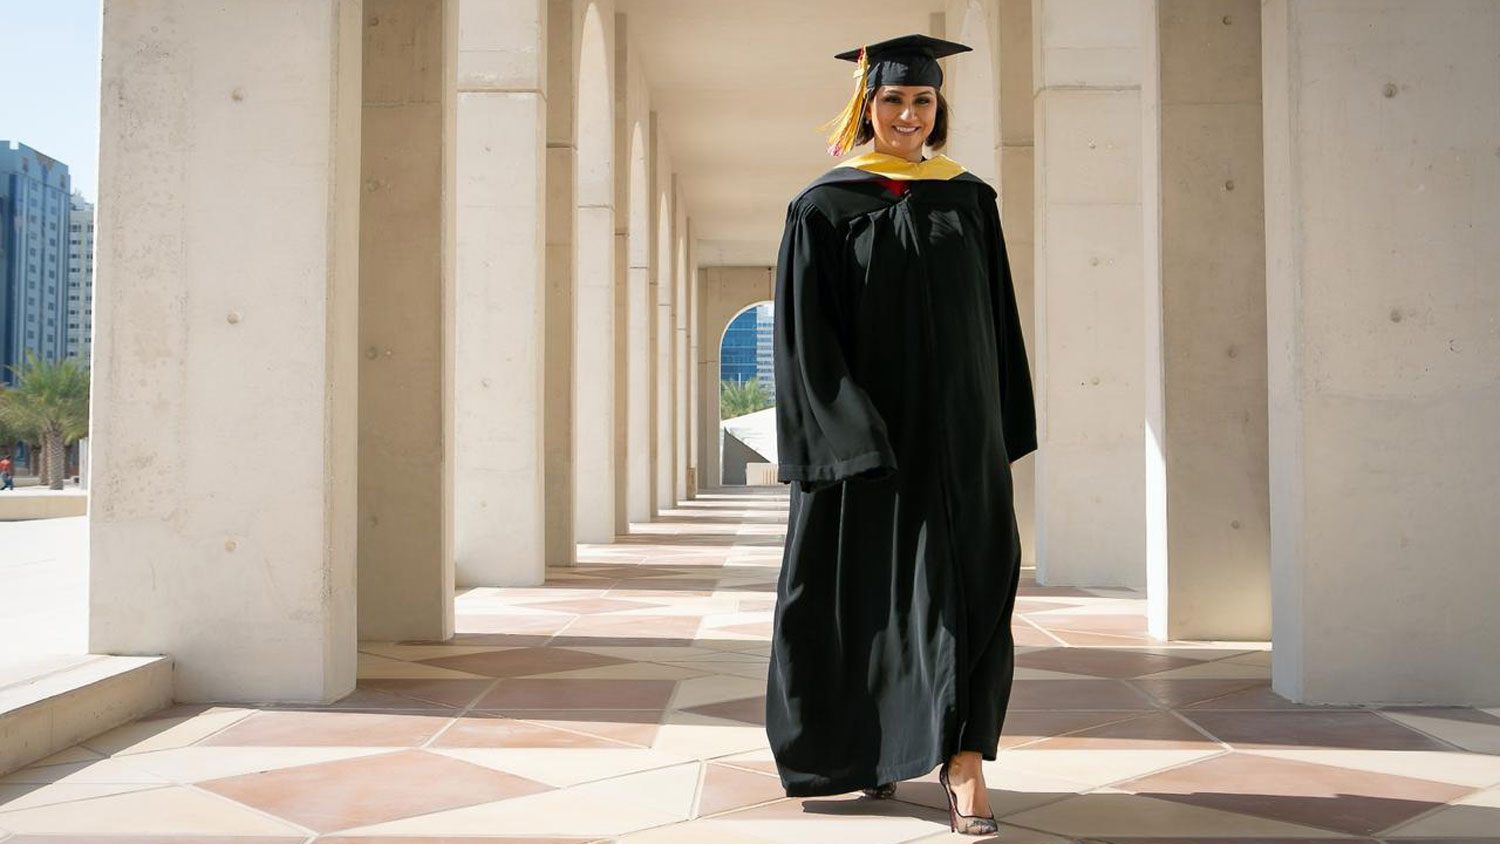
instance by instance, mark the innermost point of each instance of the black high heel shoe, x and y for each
(959, 822)
(885, 791)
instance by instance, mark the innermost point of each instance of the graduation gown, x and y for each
(902, 396)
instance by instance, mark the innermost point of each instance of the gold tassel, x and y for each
(846, 125)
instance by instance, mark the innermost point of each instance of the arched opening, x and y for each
(747, 396)
(638, 336)
(594, 314)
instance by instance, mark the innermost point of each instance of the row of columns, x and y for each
(382, 311)
(1265, 369)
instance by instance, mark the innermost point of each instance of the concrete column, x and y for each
(680, 358)
(666, 274)
(594, 312)
(222, 522)
(405, 321)
(1382, 238)
(1089, 293)
(561, 204)
(639, 335)
(622, 174)
(653, 238)
(694, 382)
(1208, 531)
(1012, 31)
(499, 523)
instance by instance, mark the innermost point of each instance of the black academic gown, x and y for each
(902, 396)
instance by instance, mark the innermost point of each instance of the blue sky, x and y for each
(49, 82)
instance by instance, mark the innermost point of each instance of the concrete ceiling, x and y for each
(740, 88)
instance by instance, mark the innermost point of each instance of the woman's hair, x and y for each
(935, 139)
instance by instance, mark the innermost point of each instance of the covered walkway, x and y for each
(622, 701)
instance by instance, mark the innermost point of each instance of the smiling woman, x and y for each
(902, 396)
(902, 111)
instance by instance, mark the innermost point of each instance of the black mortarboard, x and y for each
(908, 60)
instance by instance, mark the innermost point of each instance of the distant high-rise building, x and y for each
(737, 356)
(80, 279)
(747, 351)
(34, 210)
(765, 358)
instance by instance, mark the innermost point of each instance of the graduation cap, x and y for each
(908, 60)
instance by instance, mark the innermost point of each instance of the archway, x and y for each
(746, 452)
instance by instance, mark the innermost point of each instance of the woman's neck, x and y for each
(915, 160)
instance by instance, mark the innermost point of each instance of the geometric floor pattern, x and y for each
(622, 702)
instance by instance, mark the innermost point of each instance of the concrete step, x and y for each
(51, 703)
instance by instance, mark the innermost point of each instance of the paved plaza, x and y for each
(622, 701)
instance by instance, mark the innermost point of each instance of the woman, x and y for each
(902, 395)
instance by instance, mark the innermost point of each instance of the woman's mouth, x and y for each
(906, 130)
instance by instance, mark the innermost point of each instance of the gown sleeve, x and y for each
(1017, 405)
(827, 429)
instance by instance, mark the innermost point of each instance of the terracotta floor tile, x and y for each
(1024, 605)
(357, 792)
(329, 729)
(758, 628)
(1261, 697)
(1131, 624)
(1194, 840)
(592, 606)
(522, 661)
(1078, 638)
(1355, 730)
(1357, 802)
(454, 693)
(1158, 731)
(1023, 727)
(638, 626)
(725, 788)
(1177, 693)
(1052, 695)
(443, 839)
(154, 839)
(1054, 591)
(1466, 715)
(508, 732)
(578, 694)
(631, 726)
(751, 710)
(1100, 663)
(510, 623)
(1024, 634)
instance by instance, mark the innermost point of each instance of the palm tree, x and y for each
(49, 404)
(737, 398)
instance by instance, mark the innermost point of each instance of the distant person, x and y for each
(902, 396)
(7, 480)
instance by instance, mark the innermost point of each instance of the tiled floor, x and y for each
(622, 702)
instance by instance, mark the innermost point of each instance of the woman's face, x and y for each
(903, 116)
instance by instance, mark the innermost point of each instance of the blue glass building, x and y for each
(34, 203)
(747, 353)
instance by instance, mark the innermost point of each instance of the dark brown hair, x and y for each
(935, 139)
